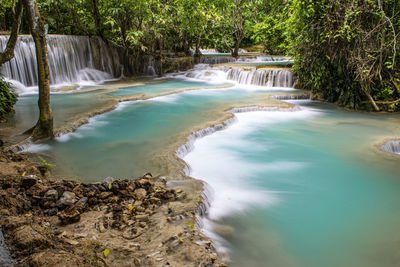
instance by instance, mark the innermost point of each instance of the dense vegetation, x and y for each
(345, 51)
(7, 98)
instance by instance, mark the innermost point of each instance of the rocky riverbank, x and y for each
(138, 222)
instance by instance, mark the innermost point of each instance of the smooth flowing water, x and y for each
(297, 187)
(162, 86)
(124, 142)
(302, 188)
(66, 108)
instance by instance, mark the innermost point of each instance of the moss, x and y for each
(7, 99)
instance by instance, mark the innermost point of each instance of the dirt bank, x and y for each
(138, 222)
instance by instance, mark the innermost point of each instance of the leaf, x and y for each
(191, 224)
(23, 174)
(131, 207)
(28, 215)
(106, 252)
(109, 186)
(181, 240)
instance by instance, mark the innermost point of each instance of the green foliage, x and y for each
(344, 51)
(45, 166)
(7, 98)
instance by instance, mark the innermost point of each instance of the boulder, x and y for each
(67, 199)
(51, 195)
(28, 181)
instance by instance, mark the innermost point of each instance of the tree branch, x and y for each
(8, 53)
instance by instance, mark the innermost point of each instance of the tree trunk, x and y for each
(8, 53)
(197, 52)
(235, 52)
(44, 126)
(97, 20)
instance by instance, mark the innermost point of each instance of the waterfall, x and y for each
(392, 146)
(72, 60)
(292, 97)
(216, 59)
(262, 77)
(252, 76)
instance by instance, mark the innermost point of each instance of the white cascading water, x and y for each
(71, 61)
(392, 146)
(216, 59)
(262, 77)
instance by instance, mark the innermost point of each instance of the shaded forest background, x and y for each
(346, 52)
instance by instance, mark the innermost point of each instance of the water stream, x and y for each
(303, 186)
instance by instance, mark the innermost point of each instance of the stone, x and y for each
(51, 195)
(51, 212)
(28, 180)
(102, 229)
(67, 199)
(140, 193)
(69, 217)
(104, 195)
(108, 180)
(113, 199)
(147, 175)
(81, 204)
(142, 217)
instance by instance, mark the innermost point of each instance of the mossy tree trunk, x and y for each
(44, 126)
(8, 53)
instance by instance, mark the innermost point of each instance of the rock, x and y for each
(93, 201)
(69, 217)
(144, 217)
(81, 204)
(140, 193)
(67, 199)
(51, 195)
(108, 180)
(104, 195)
(51, 212)
(102, 229)
(113, 199)
(144, 183)
(147, 175)
(28, 180)
(108, 183)
(82, 201)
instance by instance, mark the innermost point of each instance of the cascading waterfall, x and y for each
(392, 146)
(217, 59)
(292, 97)
(262, 77)
(259, 77)
(72, 60)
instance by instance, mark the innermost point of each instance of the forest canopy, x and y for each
(345, 51)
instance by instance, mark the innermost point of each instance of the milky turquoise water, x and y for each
(161, 87)
(124, 142)
(302, 189)
(297, 188)
(64, 106)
